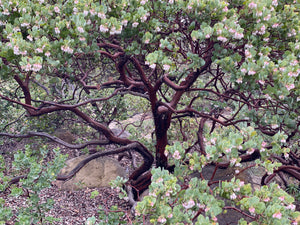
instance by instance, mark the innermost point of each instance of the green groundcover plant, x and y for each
(41, 172)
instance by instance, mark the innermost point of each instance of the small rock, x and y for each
(120, 133)
(65, 135)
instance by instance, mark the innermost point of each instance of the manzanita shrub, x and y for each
(226, 70)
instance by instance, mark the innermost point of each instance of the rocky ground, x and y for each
(74, 207)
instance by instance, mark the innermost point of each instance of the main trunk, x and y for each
(162, 119)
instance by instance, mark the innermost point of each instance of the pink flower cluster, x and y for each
(35, 67)
(66, 49)
(188, 204)
(277, 215)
